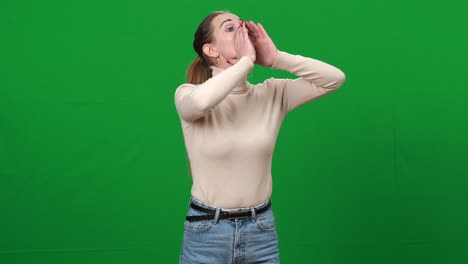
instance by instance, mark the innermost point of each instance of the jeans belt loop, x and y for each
(253, 214)
(216, 218)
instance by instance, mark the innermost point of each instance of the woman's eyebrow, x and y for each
(240, 21)
(225, 21)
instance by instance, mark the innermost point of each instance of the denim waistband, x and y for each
(200, 203)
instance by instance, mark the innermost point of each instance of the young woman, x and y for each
(230, 127)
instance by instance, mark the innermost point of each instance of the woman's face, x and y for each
(224, 29)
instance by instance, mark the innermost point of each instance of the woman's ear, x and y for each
(210, 50)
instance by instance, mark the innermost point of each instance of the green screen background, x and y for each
(92, 160)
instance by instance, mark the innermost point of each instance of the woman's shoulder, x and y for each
(268, 87)
(182, 85)
(269, 84)
(185, 86)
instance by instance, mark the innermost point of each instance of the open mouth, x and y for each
(232, 61)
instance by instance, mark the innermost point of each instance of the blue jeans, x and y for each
(249, 240)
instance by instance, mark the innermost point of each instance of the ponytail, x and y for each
(198, 72)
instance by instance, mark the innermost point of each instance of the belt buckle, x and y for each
(232, 213)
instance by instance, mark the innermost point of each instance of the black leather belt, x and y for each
(231, 215)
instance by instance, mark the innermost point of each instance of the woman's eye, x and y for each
(228, 29)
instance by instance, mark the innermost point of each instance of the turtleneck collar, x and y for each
(241, 87)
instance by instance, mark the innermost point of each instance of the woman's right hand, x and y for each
(242, 43)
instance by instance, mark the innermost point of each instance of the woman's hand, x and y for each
(265, 48)
(243, 45)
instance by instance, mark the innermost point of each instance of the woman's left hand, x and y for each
(264, 46)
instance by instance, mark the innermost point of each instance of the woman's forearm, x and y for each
(194, 101)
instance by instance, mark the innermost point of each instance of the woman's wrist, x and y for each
(246, 62)
(276, 58)
(284, 61)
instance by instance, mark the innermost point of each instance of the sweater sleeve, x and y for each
(194, 101)
(316, 79)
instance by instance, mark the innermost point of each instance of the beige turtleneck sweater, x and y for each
(230, 126)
